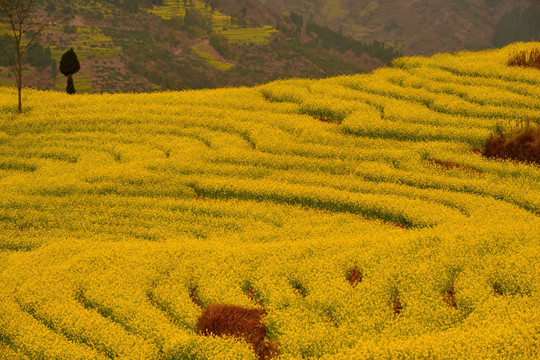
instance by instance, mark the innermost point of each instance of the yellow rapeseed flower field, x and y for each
(122, 216)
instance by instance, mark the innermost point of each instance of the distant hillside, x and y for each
(145, 45)
(424, 27)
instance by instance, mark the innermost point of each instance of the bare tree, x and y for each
(17, 14)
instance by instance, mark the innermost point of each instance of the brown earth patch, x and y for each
(195, 297)
(524, 146)
(399, 225)
(329, 121)
(354, 276)
(396, 306)
(237, 321)
(449, 296)
(525, 59)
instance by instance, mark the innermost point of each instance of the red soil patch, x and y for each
(449, 296)
(237, 321)
(522, 147)
(399, 225)
(396, 306)
(330, 121)
(450, 165)
(525, 59)
(354, 276)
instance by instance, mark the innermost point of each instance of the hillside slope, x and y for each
(353, 210)
(421, 27)
(144, 46)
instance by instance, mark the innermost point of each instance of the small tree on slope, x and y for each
(17, 13)
(69, 65)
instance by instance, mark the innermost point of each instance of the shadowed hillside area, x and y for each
(352, 217)
(423, 27)
(152, 45)
(143, 46)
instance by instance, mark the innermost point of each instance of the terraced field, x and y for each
(353, 210)
(220, 22)
(202, 51)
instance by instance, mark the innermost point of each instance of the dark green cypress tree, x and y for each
(69, 65)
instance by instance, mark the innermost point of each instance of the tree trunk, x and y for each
(20, 98)
(19, 77)
(70, 89)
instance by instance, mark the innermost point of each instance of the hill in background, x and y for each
(142, 45)
(423, 27)
(145, 45)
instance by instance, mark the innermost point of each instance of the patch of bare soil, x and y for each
(524, 146)
(329, 121)
(354, 276)
(525, 59)
(237, 321)
(194, 297)
(449, 296)
(396, 306)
